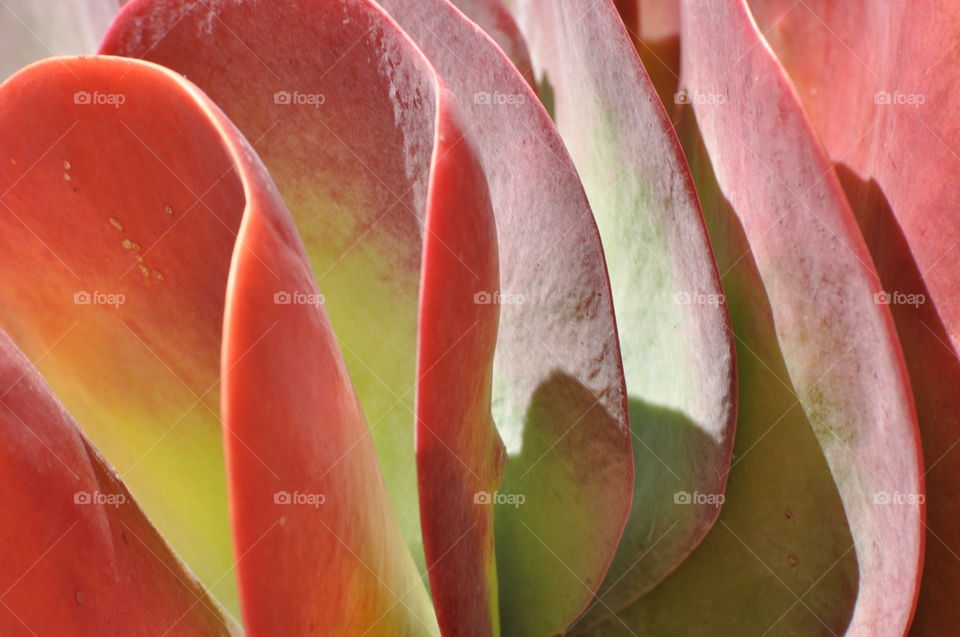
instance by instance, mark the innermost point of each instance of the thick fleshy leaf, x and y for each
(550, 406)
(457, 445)
(878, 82)
(782, 533)
(837, 338)
(180, 128)
(350, 153)
(318, 544)
(363, 108)
(460, 456)
(558, 389)
(78, 555)
(34, 29)
(118, 215)
(837, 342)
(670, 306)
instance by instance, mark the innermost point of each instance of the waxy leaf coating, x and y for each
(367, 154)
(557, 385)
(558, 393)
(674, 331)
(878, 80)
(62, 278)
(81, 558)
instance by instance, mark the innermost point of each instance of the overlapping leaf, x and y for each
(670, 306)
(878, 81)
(839, 355)
(81, 557)
(557, 386)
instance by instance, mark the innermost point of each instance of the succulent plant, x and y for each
(471, 317)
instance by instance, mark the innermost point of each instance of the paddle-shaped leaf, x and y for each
(298, 409)
(298, 354)
(118, 211)
(558, 386)
(366, 109)
(878, 81)
(782, 535)
(838, 340)
(670, 306)
(346, 130)
(563, 415)
(308, 502)
(839, 355)
(79, 557)
(460, 456)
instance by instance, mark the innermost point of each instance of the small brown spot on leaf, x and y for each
(787, 513)
(66, 177)
(66, 165)
(792, 560)
(158, 275)
(77, 595)
(144, 269)
(130, 245)
(168, 210)
(116, 224)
